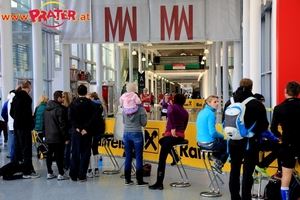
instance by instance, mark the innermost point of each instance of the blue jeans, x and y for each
(133, 140)
(11, 145)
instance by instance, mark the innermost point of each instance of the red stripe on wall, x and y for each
(288, 44)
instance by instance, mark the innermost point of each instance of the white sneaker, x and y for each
(97, 174)
(51, 176)
(89, 174)
(31, 176)
(62, 177)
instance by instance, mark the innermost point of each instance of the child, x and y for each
(130, 100)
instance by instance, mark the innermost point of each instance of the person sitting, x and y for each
(269, 142)
(177, 121)
(208, 137)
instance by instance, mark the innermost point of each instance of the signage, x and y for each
(178, 66)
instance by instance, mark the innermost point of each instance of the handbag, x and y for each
(147, 169)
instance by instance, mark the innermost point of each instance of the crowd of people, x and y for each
(73, 126)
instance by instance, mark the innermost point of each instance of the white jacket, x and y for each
(10, 119)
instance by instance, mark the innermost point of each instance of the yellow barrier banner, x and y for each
(154, 130)
(194, 103)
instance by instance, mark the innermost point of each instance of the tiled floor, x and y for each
(105, 186)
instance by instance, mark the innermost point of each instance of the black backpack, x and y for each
(272, 190)
(11, 171)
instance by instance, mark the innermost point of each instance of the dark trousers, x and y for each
(58, 150)
(238, 154)
(81, 153)
(167, 144)
(3, 127)
(67, 158)
(23, 150)
(221, 145)
(276, 152)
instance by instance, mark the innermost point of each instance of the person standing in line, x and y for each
(39, 113)
(21, 112)
(146, 101)
(67, 154)
(133, 139)
(164, 103)
(82, 116)
(10, 123)
(208, 137)
(56, 134)
(177, 122)
(287, 115)
(255, 113)
(4, 114)
(97, 132)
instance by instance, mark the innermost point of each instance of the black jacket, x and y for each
(287, 115)
(255, 112)
(55, 123)
(21, 111)
(82, 114)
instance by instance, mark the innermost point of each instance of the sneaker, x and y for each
(96, 172)
(256, 180)
(51, 176)
(262, 171)
(217, 168)
(216, 161)
(130, 182)
(142, 184)
(82, 180)
(89, 174)
(31, 176)
(62, 177)
(277, 175)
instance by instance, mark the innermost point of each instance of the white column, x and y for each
(7, 67)
(205, 85)
(99, 70)
(65, 67)
(140, 58)
(225, 72)
(118, 72)
(130, 63)
(218, 72)
(255, 32)
(162, 87)
(152, 83)
(146, 79)
(246, 40)
(37, 53)
(213, 70)
(151, 56)
(237, 71)
(273, 54)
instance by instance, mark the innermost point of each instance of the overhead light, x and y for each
(202, 62)
(155, 75)
(206, 51)
(134, 52)
(150, 63)
(183, 54)
(203, 58)
(143, 59)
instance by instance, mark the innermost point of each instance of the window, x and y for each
(57, 61)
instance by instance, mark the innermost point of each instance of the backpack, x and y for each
(11, 171)
(233, 124)
(272, 190)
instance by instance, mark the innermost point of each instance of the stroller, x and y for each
(42, 148)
